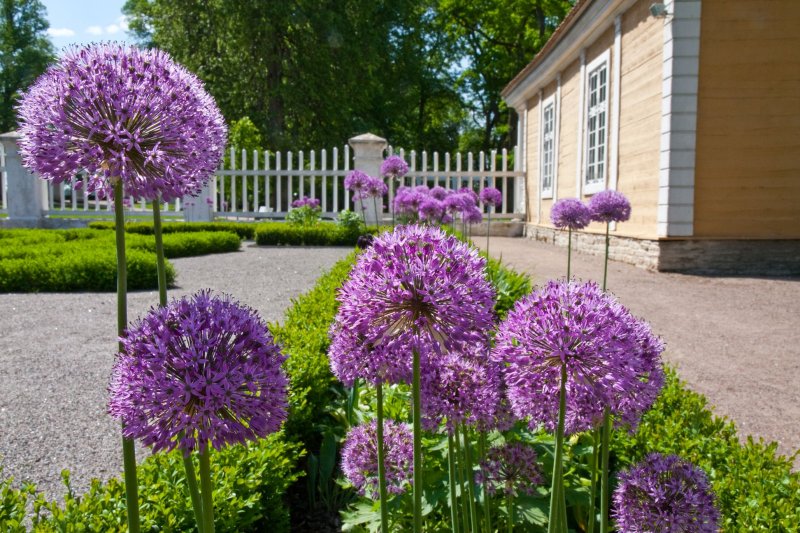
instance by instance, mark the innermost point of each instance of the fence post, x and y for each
(27, 194)
(367, 157)
(199, 208)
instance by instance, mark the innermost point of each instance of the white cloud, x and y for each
(123, 23)
(94, 30)
(112, 28)
(60, 32)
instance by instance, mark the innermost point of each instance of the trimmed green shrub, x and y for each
(756, 489)
(249, 485)
(245, 230)
(322, 234)
(85, 259)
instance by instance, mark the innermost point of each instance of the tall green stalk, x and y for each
(473, 511)
(128, 449)
(462, 473)
(510, 510)
(569, 252)
(605, 264)
(377, 219)
(557, 522)
(488, 228)
(206, 490)
(417, 410)
(161, 268)
(605, 491)
(593, 490)
(381, 463)
(487, 503)
(453, 480)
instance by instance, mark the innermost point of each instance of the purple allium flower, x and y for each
(457, 203)
(360, 457)
(431, 209)
(120, 112)
(305, 201)
(665, 493)
(491, 196)
(570, 213)
(375, 188)
(365, 241)
(357, 181)
(461, 387)
(206, 366)
(472, 215)
(612, 358)
(470, 193)
(416, 288)
(439, 192)
(609, 206)
(394, 167)
(510, 469)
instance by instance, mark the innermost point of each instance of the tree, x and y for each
(496, 38)
(25, 52)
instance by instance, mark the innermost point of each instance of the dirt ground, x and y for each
(734, 339)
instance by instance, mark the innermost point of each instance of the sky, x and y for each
(85, 21)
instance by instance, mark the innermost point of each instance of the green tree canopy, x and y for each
(25, 52)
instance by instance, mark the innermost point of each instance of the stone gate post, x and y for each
(27, 194)
(368, 156)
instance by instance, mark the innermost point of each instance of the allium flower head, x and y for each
(416, 288)
(472, 215)
(431, 209)
(439, 192)
(457, 202)
(356, 181)
(610, 206)
(510, 469)
(375, 188)
(394, 167)
(206, 366)
(570, 213)
(360, 457)
(612, 358)
(461, 387)
(665, 493)
(305, 201)
(120, 112)
(491, 196)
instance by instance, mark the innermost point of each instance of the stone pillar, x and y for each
(27, 194)
(200, 208)
(368, 156)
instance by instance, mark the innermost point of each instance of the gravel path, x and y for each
(734, 339)
(56, 352)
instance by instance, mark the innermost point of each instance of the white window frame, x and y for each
(597, 115)
(548, 137)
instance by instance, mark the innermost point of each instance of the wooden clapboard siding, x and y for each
(532, 160)
(640, 118)
(567, 135)
(747, 180)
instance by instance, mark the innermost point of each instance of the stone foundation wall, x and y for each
(499, 228)
(720, 257)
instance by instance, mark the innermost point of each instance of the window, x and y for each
(548, 147)
(596, 125)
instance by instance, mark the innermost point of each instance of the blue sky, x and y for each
(85, 21)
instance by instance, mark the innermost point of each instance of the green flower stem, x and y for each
(473, 511)
(205, 487)
(487, 503)
(510, 509)
(593, 489)
(128, 449)
(417, 410)
(451, 464)
(462, 473)
(488, 228)
(381, 463)
(188, 465)
(605, 264)
(375, 203)
(557, 523)
(569, 252)
(160, 263)
(604, 487)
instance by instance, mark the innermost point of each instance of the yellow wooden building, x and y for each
(691, 108)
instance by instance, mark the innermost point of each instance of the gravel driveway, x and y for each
(56, 352)
(734, 339)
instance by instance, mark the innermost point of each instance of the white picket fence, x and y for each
(258, 185)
